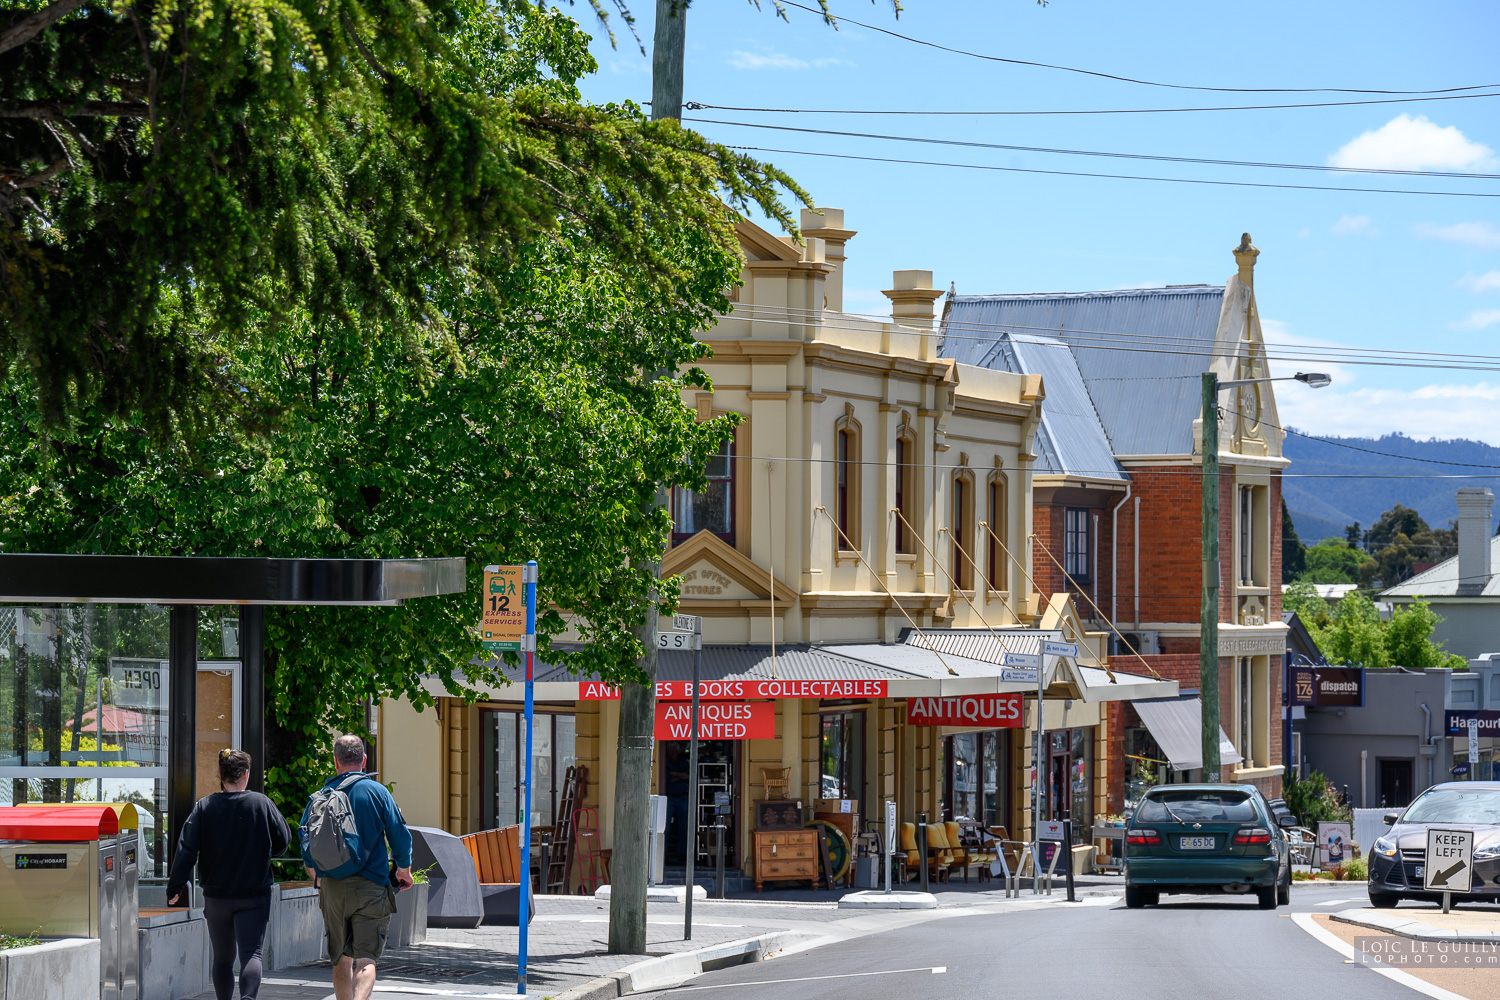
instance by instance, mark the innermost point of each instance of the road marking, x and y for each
(1327, 937)
(935, 970)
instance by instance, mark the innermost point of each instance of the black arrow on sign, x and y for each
(1444, 876)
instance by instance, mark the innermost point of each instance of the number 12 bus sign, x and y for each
(504, 624)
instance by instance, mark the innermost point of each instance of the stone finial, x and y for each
(1244, 256)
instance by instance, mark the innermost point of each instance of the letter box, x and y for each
(60, 876)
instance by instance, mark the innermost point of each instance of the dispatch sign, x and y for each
(1450, 860)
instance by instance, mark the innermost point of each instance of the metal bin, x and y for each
(60, 877)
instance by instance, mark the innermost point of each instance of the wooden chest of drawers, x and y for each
(781, 855)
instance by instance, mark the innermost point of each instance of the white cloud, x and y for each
(779, 60)
(1478, 320)
(1431, 411)
(1407, 143)
(629, 67)
(1480, 235)
(1477, 283)
(1354, 225)
(1300, 354)
(1303, 233)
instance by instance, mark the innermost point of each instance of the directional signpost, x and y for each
(1449, 865)
(691, 627)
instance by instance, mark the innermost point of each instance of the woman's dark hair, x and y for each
(232, 766)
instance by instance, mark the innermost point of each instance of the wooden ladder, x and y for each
(564, 841)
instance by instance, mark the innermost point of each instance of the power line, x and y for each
(1117, 177)
(1152, 157)
(1382, 454)
(698, 106)
(1123, 79)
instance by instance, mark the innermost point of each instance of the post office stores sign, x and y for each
(992, 711)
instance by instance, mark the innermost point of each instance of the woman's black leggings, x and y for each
(237, 923)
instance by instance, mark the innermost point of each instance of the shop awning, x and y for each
(1177, 726)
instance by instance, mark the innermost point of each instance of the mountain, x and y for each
(1345, 481)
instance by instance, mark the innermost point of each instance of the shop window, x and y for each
(712, 509)
(1252, 710)
(1077, 544)
(843, 756)
(503, 742)
(972, 769)
(998, 519)
(906, 494)
(962, 533)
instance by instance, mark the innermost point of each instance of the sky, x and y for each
(1364, 271)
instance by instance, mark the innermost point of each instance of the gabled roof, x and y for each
(1147, 397)
(1442, 580)
(1071, 440)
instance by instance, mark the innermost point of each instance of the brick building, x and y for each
(1117, 494)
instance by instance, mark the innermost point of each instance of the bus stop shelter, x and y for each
(183, 583)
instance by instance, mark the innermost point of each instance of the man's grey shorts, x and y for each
(357, 915)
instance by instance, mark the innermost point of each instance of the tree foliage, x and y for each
(1352, 633)
(1293, 552)
(178, 177)
(1333, 561)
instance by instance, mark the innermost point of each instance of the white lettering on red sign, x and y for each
(717, 720)
(1002, 711)
(739, 690)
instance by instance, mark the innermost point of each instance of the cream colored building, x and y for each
(859, 527)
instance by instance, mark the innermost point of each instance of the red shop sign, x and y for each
(1000, 711)
(717, 720)
(736, 690)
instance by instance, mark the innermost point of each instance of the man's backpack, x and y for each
(329, 835)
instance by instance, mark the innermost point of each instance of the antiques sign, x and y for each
(998, 711)
(736, 690)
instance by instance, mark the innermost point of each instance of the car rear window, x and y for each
(1200, 806)
(1453, 805)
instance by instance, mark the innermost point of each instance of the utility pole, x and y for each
(631, 860)
(1208, 628)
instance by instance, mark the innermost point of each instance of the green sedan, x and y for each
(1201, 839)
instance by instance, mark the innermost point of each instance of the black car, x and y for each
(1397, 858)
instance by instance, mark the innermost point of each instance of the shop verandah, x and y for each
(843, 725)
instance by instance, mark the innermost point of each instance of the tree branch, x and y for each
(58, 110)
(27, 28)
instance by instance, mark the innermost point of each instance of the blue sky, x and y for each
(1367, 271)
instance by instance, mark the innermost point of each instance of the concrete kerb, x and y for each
(673, 970)
(1406, 927)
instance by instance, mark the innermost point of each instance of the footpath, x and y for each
(567, 944)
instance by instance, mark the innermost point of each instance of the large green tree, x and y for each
(180, 176)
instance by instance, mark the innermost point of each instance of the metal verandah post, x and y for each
(528, 579)
(182, 726)
(1208, 629)
(253, 691)
(692, 825)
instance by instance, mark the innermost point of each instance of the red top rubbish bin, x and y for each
(71, 823)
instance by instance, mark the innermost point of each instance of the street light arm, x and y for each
(1316, 380)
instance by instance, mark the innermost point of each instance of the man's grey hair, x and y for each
(348, 749)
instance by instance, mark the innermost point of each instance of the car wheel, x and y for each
(1383, 899)
(1137, 897)
(1268, 897)
(1284, 891)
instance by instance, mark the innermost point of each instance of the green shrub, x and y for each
(11, 941)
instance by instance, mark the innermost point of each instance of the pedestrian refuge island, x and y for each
(67, 871)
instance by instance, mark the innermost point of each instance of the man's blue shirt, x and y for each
(376, 819)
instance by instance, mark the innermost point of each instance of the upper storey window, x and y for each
(713, 508)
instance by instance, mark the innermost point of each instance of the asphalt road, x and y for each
(1202, 947)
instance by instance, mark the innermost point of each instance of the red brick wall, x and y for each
(1049, 524)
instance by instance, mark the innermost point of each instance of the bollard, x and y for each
(718, 861)
(546, 845)
(1068, 846)
(922, 849)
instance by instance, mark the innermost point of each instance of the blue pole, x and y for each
(528, 578)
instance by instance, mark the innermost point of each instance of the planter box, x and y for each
(409, 924)
(54, 970)
(295, 935)
(174, 954)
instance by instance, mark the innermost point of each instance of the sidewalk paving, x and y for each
(567, 943)
(1428, 923)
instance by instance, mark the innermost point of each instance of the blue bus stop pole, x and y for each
(528, 579)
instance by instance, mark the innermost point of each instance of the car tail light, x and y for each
(1252, 835)
(1142, 837)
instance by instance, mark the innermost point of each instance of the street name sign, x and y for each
(1020, 675)
(687, 623)
(503, 627)
(679, 640)
(1022, 660)
(1059, 648)
(1449, 865)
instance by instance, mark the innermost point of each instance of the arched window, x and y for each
(846, 479)
(906, 491)
(996, 564)
(962, 531)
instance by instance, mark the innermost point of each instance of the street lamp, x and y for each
(1208, 628)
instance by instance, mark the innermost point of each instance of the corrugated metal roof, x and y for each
(1141, 397)
(1442, 579)
(793, 663)
(981, 644)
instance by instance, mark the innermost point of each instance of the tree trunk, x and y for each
(630, 861)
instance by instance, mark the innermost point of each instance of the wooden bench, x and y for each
(497, 858)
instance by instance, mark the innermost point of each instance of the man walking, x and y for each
(344, 832)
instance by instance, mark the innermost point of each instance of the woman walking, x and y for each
(232, 836)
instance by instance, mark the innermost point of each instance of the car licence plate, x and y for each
(1196, 844)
